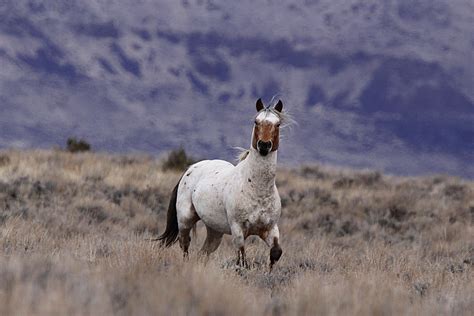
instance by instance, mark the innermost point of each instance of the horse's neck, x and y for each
(259, 171)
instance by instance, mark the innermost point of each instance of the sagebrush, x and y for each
(74, 145)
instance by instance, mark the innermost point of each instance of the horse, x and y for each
(240, 200)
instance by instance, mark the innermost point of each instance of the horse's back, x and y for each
(206, 170)
(201, 188)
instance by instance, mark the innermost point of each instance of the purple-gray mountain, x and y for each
(385, 84)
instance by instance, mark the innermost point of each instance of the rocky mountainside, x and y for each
(380, 84)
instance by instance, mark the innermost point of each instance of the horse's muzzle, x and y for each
(264, 147)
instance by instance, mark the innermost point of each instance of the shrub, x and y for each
(4, 160)
(178, 160)
(73, 145)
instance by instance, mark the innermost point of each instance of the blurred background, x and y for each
(382, 84)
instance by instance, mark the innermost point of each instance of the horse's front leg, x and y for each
(273, 240)
(238, 240)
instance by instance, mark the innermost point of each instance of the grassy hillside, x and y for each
(75, 230)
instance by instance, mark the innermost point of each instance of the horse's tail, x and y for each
(170, 236)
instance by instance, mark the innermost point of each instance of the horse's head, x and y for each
(266, 131)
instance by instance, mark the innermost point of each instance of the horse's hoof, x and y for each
(240, 270)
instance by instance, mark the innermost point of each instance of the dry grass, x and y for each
(74, 230)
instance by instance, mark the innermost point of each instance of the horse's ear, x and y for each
(260, 105)
(279, 106)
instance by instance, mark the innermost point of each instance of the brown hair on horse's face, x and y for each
(266, 131)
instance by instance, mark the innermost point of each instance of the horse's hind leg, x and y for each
(184, 241)
(187, 218)
(212, 242)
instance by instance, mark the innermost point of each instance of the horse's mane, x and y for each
(242, 153)
(286, 118)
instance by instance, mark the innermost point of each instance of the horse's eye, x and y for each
(278, 125)
(256, 122)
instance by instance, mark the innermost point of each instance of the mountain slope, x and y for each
(379, 84)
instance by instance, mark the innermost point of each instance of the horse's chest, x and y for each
(258, 215)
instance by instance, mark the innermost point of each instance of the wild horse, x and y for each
(239, 200)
